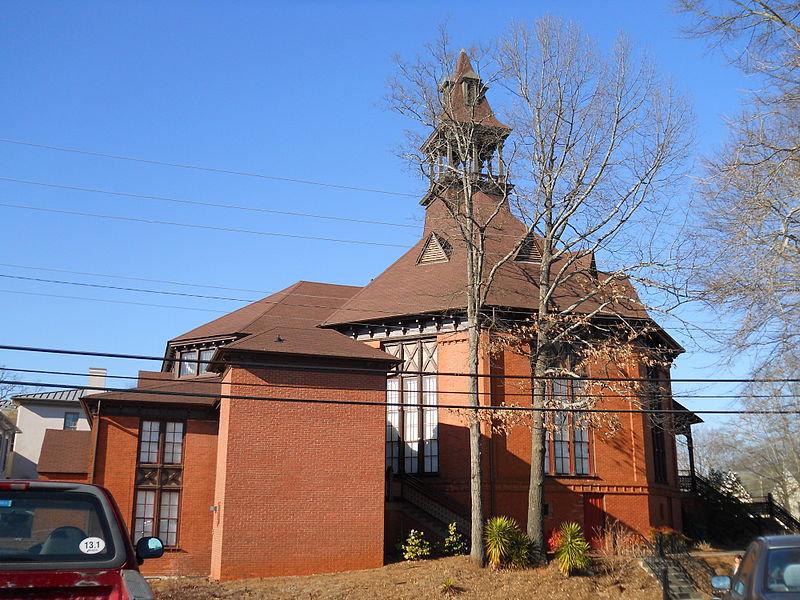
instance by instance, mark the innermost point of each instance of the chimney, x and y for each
(97, 379)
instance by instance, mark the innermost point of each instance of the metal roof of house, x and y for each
(73, 395)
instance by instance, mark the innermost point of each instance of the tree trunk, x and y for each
(536, 485)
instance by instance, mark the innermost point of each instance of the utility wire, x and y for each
(149, 280)
(211, 204)
(395, 371)
(206, 169)
(83, 298)
(205, 297)
(205, 227)
(134, 391)
(212, 381)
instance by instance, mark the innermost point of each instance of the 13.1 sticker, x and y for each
(92, 545)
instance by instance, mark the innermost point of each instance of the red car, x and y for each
(68, 540)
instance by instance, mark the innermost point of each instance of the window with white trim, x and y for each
(191, 363)
(412, 413)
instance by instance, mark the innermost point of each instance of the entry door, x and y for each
(594, 519)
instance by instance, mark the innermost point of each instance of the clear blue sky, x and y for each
(288, 89)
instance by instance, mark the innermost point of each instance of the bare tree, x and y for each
(461, 158)
(599, 141)
(594, 145)
(751, 215)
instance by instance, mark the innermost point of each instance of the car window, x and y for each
(53, 527)
(745, 572)
(783, 570)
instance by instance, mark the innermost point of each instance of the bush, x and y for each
(572, 550)
(507, 546)
(455, 543)
(416, 546)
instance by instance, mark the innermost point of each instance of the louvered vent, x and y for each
(529, 252)
(436, 250)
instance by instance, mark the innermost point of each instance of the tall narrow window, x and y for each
(159, 480)
(567, 438)
(412, 414)
(657, 433)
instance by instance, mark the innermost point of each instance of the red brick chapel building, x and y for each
(308, 431)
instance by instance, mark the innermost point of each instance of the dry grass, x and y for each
(611, 578)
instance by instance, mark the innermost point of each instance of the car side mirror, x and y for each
(721, 582)
(149, 547)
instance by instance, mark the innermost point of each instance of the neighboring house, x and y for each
(36, 413)
(265, 446)
(8, 429)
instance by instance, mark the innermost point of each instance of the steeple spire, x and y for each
(468, 138)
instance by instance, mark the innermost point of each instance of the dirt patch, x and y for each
(610, 578)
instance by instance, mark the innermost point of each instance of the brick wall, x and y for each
(304, 483)
(621, 463)
(115, 469)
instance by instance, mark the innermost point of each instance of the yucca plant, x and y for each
(572, 550)
(506, 544)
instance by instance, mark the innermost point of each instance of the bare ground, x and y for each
(611, 578)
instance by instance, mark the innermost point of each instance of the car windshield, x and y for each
(783, 570)
(53, 526)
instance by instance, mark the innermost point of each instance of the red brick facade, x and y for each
(303, 483)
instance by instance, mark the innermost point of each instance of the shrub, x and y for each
(416, 546)
(506, 544)
(455, 543)
(620, 540)
(553, 541)
(572, 551)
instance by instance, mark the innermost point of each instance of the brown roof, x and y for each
(303, 304)
(64, 451)
(283, 339)
(481, 113)
(409, 288)
(291, 316)
(164, 390)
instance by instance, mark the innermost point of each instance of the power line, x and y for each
(83, 298)
(205, 227)
(490, 408)
(204, 296)
(401, 372)
(206, 169)
(211, 204)
(198, 380)
(167, 281)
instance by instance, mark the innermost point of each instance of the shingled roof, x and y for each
(286, 323)
(64, 451)
(410, 287)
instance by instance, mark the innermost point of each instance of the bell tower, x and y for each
(468, 139)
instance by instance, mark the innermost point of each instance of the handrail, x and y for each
(455, 511)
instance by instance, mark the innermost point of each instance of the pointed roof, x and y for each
(478, 112)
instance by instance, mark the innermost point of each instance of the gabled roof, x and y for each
(64, 451)
(409, 287)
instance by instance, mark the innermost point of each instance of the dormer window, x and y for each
(194, 362)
